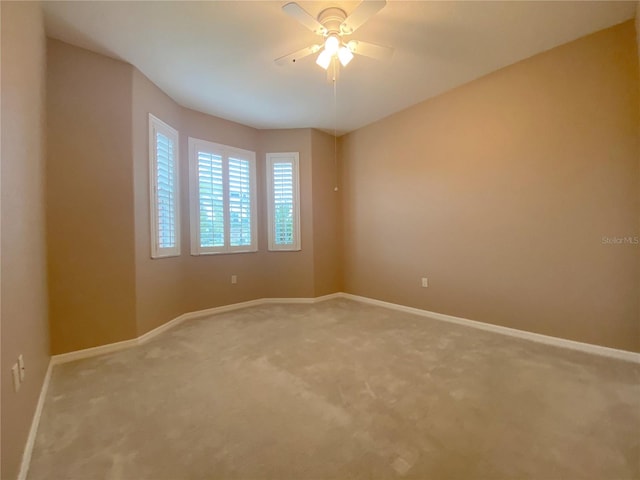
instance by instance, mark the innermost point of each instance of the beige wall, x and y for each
(23, 270)
(637, 22)
(471, 202)
(90, 209)
(158, 282)
(207, 278)
(500, 192)
(327, 216)
(290, 274)
(638, 28)
(109, 289)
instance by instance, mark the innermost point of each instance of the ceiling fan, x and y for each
(334, 26)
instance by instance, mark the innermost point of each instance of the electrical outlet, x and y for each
(425, 282)
(21, 367)
(234, 279)
(15, 373)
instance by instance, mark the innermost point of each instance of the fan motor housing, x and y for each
(331, 18)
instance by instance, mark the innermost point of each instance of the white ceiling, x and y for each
(217, 57)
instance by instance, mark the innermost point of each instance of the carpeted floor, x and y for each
(339, 390)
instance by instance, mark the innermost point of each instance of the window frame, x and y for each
(197, 145)
(294, 159)
(158, 126)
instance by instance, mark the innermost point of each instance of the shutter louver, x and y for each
(211, 203)
(165, 191)
(283, 203)
(239, 202)
(223, 212)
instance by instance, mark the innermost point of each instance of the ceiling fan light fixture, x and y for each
(332, 24)
(324, 59)
(345, 56)
(332, 44)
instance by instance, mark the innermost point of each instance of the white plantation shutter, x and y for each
(283, 203)
(223, 213)
(211, 200)
(163, 162)
(165, 188)
(239, 202)
(284, 209)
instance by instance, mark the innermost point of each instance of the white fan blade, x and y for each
(295, 56)
(361, 14)
(296, 11)
(379, 52)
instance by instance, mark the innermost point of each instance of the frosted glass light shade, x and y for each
(332, 44)
(324, 59)
(345, 56)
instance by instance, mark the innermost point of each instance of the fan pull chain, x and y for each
(335, 122)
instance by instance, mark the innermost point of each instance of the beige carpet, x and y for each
(339, 390)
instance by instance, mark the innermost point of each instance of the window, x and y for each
(284, 205)
(163, 188)
(223, 198)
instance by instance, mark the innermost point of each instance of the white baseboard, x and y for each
(512, 332)
(145, 337)
(114, 347)
(535, 337)
(31, 439)
(302, 300)
(93, 351)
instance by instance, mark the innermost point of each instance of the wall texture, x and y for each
(104, 286)
(158, 282)
(501, 191)
(90, 208)
(290, 274)
(638, 50)
(207, 278)
(23, 266)
(638, 27)
(327, 215)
